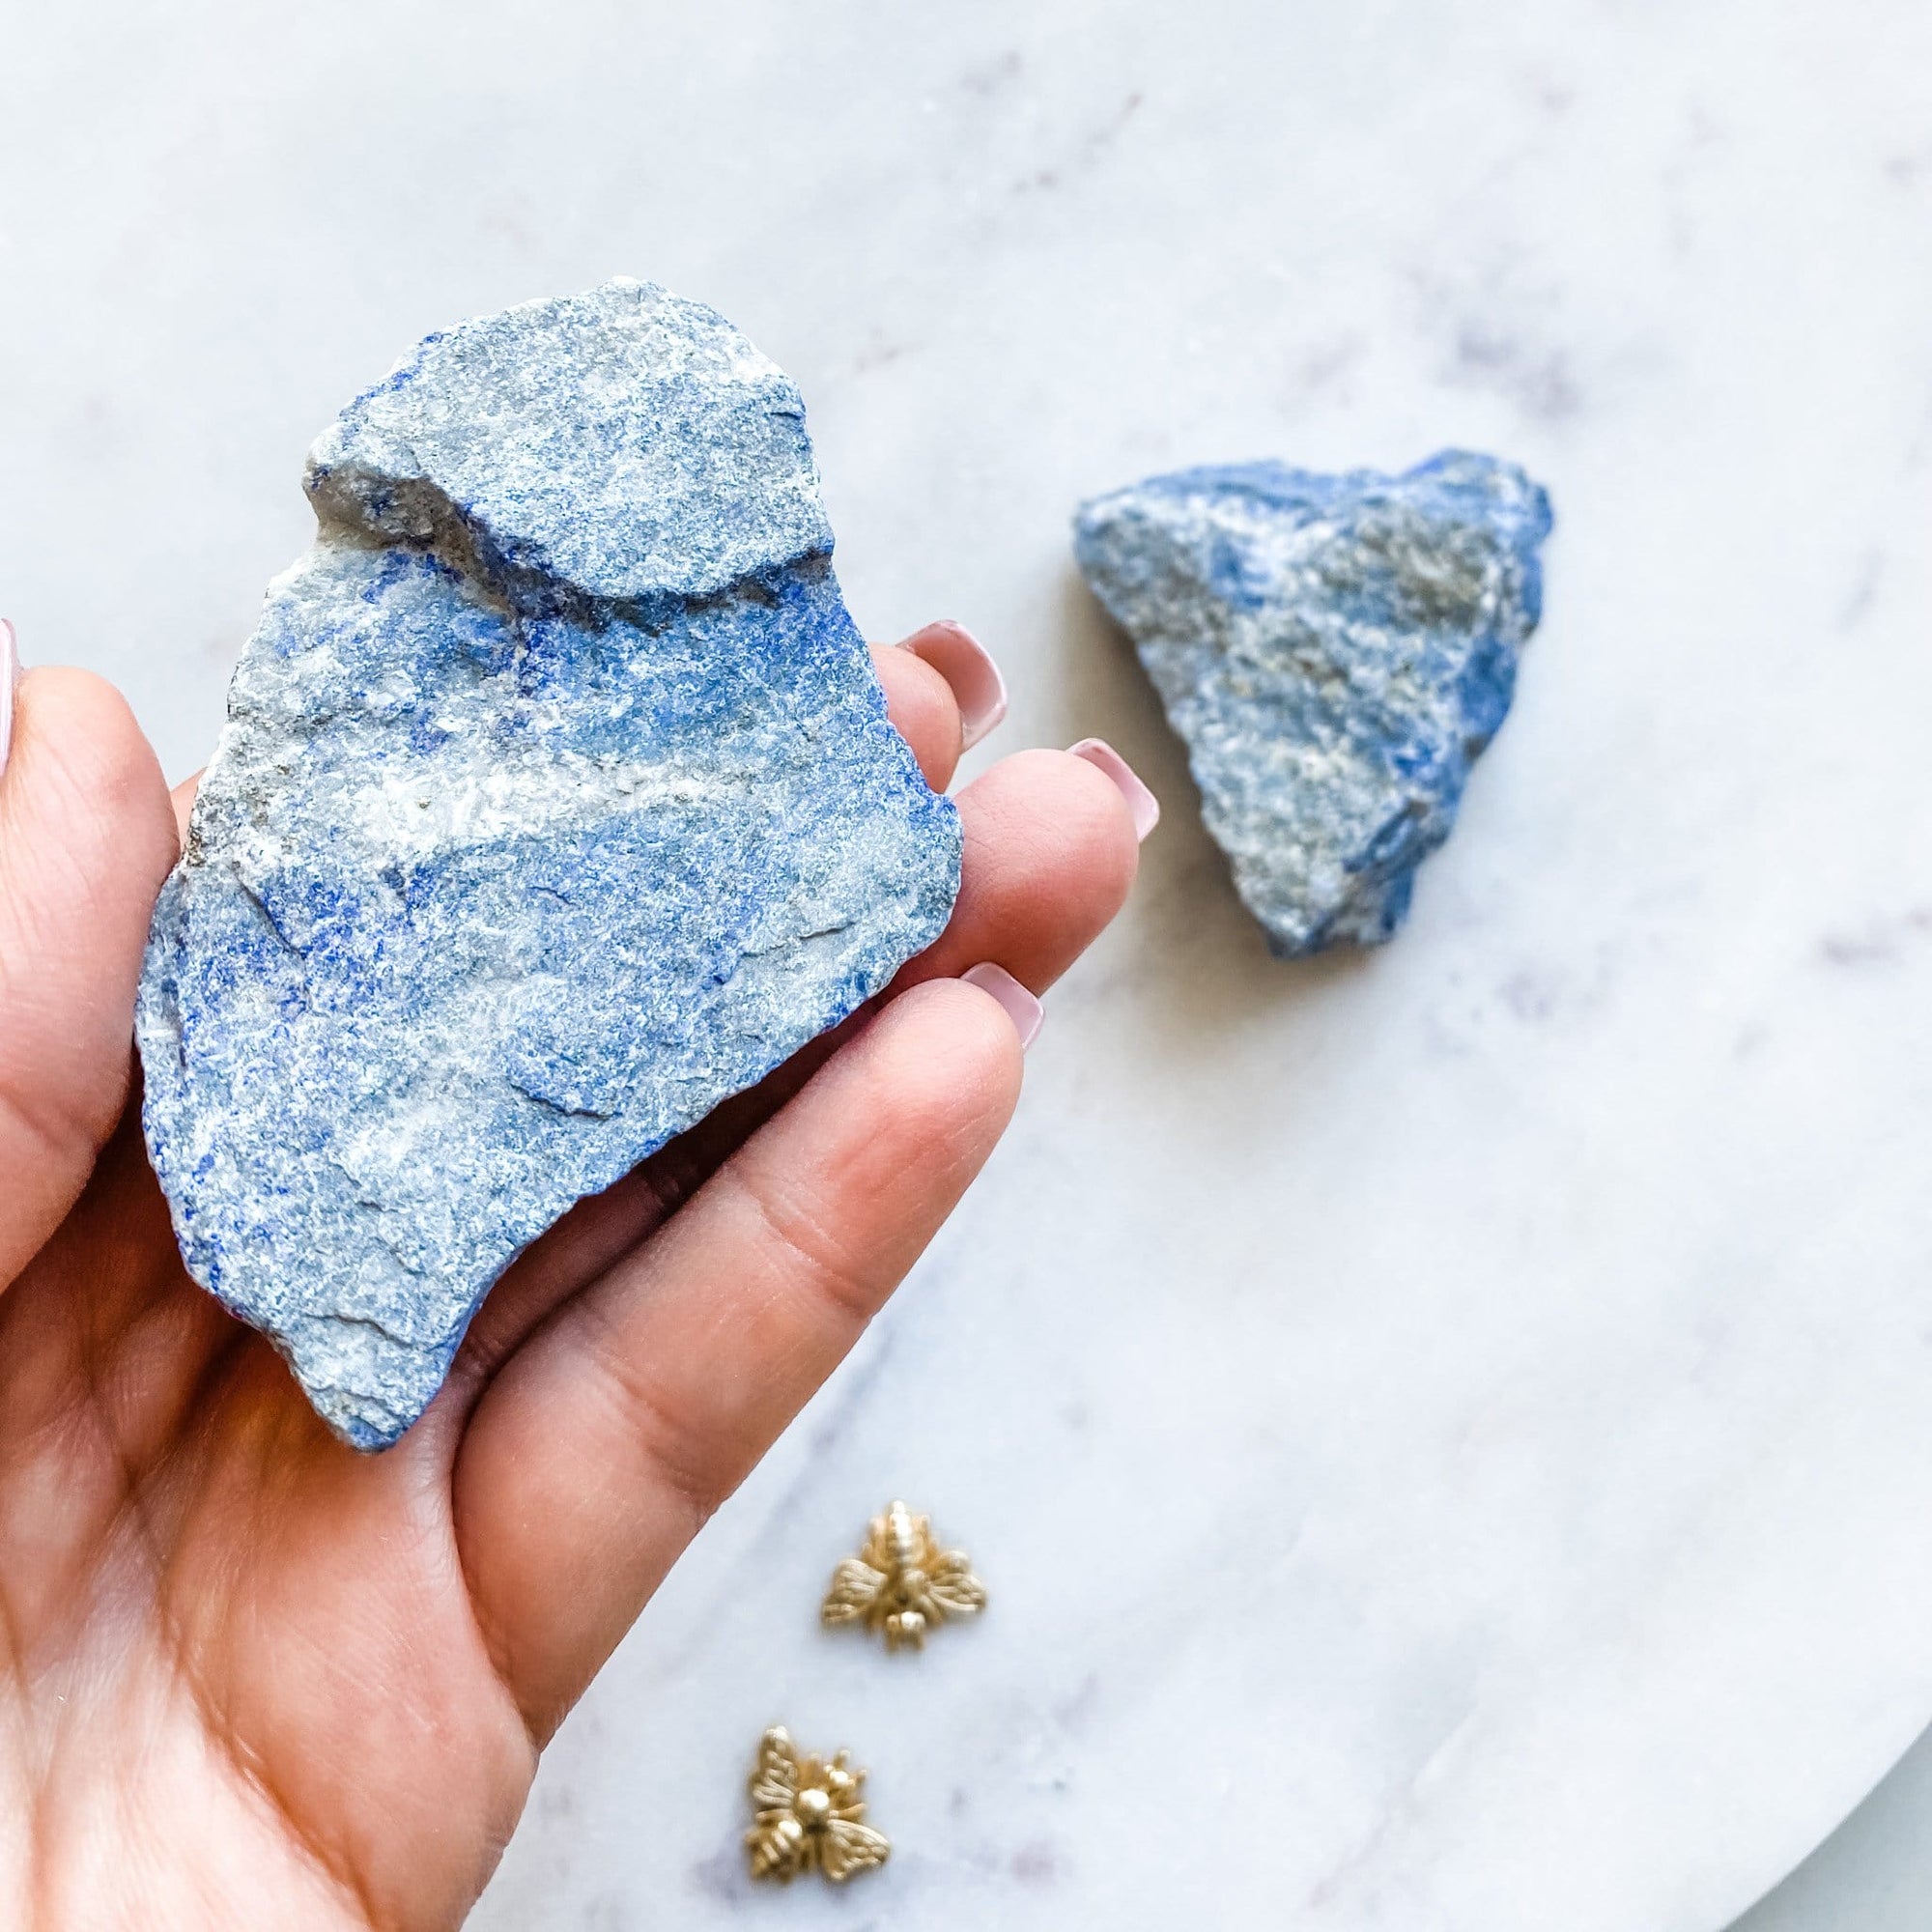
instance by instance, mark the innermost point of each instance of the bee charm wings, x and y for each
(850, 1848)
(809, 1813)
(952, 1586)
(775, 1781)
(776, 1838)
(856, 1586)
(901, 1584)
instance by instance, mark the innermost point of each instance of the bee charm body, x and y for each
(809, 1814)
(901, 1584)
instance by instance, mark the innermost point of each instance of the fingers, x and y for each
(970, 673)
(922, 707)
(606, 1441)
(86, 838)
(944, 693)
(1051, 851)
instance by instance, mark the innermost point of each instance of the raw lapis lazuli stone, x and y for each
(556, 802)
(1336, 651)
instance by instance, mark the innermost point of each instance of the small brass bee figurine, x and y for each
(901, 1583)
(811, 1816)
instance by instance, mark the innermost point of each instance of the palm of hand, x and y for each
(254, 1677)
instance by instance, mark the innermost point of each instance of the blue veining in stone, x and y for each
(1336, 651)
(556, 802)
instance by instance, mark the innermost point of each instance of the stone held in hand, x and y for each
(1336, 651)
(556, 803)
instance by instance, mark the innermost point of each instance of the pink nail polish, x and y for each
(9, 676)
(1141, 803)
(968, 667)
(1026, 1012)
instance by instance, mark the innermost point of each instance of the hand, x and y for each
(254, 1679)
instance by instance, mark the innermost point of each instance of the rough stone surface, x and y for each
(556, 802)
(1336, 651)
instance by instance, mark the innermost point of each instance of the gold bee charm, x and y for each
(810, 1815)
(901, 1583)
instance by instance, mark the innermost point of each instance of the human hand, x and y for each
(255, 1678)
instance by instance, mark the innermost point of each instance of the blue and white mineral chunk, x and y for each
(556, 802)
(1336, 651)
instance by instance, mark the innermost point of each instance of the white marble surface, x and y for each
(1449, 1433)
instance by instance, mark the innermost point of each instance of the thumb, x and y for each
(86, 838)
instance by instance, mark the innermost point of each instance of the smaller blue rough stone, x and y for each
(1336, 651)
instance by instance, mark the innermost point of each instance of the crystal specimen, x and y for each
(1336, 651)
(556, 802)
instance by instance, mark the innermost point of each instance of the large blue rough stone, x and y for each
(556, 802)
(1336, 651)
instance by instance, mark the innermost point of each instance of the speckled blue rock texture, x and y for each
(1336, 651)
(556, 802)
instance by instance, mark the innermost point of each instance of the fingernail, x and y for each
(1026, 1012)
(1141, 803)
(9, 676)
(968, 667)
